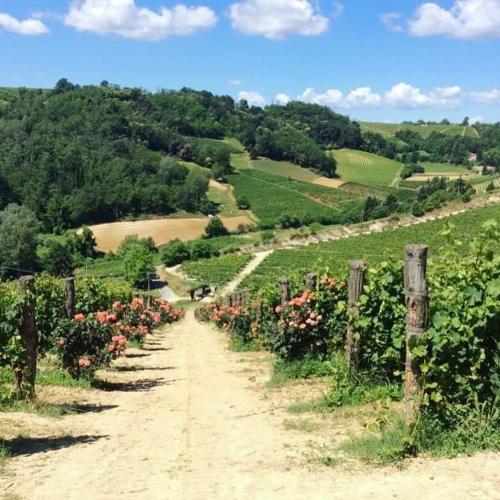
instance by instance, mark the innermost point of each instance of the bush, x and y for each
(215, 228)
(175, 253)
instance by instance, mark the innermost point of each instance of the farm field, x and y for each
(109, 236)
(480, 184)
(216, 271)
(271, 197)
(365, 168)
(445, 167)
(389, 129)
(285, 169)
(372, 248)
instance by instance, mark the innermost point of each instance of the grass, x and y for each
(271, 197)
(238, 345)
(390, 129)
(365, 168)
(224, 200)
(431, 168)
(218, 270)
(301, 425)
(232, 146)
(302, 369)
(372, 248)
(285, 169)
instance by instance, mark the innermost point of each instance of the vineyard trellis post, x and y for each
(284, 291)
(415, 281)
(25, 367)
(355, 289)
(69, 303)
(311, 281)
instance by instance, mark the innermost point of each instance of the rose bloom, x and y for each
(111, 347)
(79, 317)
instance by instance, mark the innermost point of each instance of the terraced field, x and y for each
(218, 270)
(445, 168)
(365, 168)
(372, 248)
(402, 194)
(271, 196)
(482, 183)
(389, 129)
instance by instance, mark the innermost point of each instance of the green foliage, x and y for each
(215, 228)
(139, 265)
(19, 230)
(217, 270)
(56, 257)
(175, 252)
(372, 248)
(365, 168)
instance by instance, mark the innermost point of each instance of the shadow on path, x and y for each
(29, 446)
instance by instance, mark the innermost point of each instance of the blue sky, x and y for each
(380, 60)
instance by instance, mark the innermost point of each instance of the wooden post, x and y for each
(25, 368)
(415, 281)
(70, 298)
(355, 289)
(229, 299)
(311, 281)
(284, 291)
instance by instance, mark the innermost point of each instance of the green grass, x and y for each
(372, 248)
(224, 200)
(431, 168)
(365, 168)
(233, 147)
(218, 270)
(301, 425)
(48, 375)
(283, 371)
(271, 197)
(285, 169)
(389, 129)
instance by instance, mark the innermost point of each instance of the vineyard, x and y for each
(365, 168)
(85, 326)
(390, 129)
(480, 185)
(372, 248)
(284, 169)
(271, 197)
(402, 194)
(437, 329)
(217, 270)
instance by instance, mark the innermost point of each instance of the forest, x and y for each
(87, 154)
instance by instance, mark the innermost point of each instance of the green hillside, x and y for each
(365, 168)
(389, 129)
(372, 248)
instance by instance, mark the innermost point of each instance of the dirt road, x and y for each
(186, 419)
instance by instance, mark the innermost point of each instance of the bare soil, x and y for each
(187, 419)
(109, 236)
(331, 183)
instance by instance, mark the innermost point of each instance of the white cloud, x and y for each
(392, 21)
(126, 19)
(253, 98)
(282, 99)
(486, 96)
(476, 119)
(465, 19)
(332, 98)
(234, 83)
(28, 27)
(363, 97)
(276, 19)
(404, 95)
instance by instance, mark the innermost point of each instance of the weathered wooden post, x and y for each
(415, 270)
(355, 289)
(311, 281)
(25, 368)
(229, 299)
(284, 291)
(69, 303)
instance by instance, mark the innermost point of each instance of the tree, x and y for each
(19, 229)
(243, 203)
(175, 252)
(138, 263)
(215, 228)
(56, 258)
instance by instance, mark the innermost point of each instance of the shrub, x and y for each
(215, 228)
(175, 253)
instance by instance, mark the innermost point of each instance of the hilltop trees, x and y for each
(19, 229)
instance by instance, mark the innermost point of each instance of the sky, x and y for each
(374, 60)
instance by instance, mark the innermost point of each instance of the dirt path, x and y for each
(186, 419)
(258, 258)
